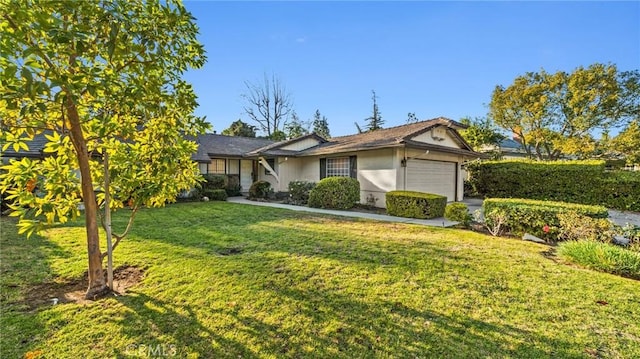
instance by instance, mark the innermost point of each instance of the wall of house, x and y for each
(438, 132)
(377, 175)
(288, 170)
(379, 171)
(309, 169)
(376, 172)
(301, 145)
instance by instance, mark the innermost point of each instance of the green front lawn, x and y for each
(225, 280)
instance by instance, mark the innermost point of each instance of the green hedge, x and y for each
(539, 218)
(415, 204)
(212, 181)
(568, 181)
(215, 194)
(336, 193)
(458, 212)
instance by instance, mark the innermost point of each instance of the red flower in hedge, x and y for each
(546, 228)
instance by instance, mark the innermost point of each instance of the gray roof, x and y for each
(212, 145)
(275, 149)
(384, 138)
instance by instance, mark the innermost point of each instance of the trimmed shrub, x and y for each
(215, 194)
(602, 257)
(260, 190)
(458, 212)
(233, 187)
(336, 193)
(568, 181)
(214, 181)
(412, 204)
(539, 218)
(574, 226)
(299, 192)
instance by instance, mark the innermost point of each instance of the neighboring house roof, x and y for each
(508, 143)
(212, 145)
(384, 138)
(506, 146)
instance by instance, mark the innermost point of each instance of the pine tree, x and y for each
(375, 121)
(294, 127)
(321, 125)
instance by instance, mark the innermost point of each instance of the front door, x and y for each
(246, 174)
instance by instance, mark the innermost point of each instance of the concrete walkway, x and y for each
(436, 222)
(618, 217)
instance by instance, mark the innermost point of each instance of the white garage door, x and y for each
(432, 177)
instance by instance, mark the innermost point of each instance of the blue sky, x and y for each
(431, 58)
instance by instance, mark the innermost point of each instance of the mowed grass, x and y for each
(228, 281)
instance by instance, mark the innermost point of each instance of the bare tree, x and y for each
(268, 104)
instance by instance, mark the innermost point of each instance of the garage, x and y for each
(432, 177)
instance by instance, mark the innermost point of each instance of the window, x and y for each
(218, 166)
(272, 163)
(338, 167)
(204, 168)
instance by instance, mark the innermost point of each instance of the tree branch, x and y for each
(35, 45)
(124, 234)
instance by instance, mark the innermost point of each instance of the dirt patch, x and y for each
(229, 251)
(73, 291)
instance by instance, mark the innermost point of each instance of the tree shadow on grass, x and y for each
(393, 329)
(172, 328)
(24, 264)
(336, 326)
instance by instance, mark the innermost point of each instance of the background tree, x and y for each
(101, 77)
(627, 143)
(412, 118)
(268, 104)
(321, 125)
(241, 129)
(295, 128)
(480, 132)
(556, 114)
(375, 121)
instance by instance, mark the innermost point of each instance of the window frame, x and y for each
(212, 168)
(338, 172)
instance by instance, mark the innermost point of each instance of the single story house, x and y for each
(424, 156)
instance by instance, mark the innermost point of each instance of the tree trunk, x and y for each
(97, 285)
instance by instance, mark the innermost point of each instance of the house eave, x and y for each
(330, 150)
(457, 151)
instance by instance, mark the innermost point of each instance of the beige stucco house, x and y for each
(424, 156)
